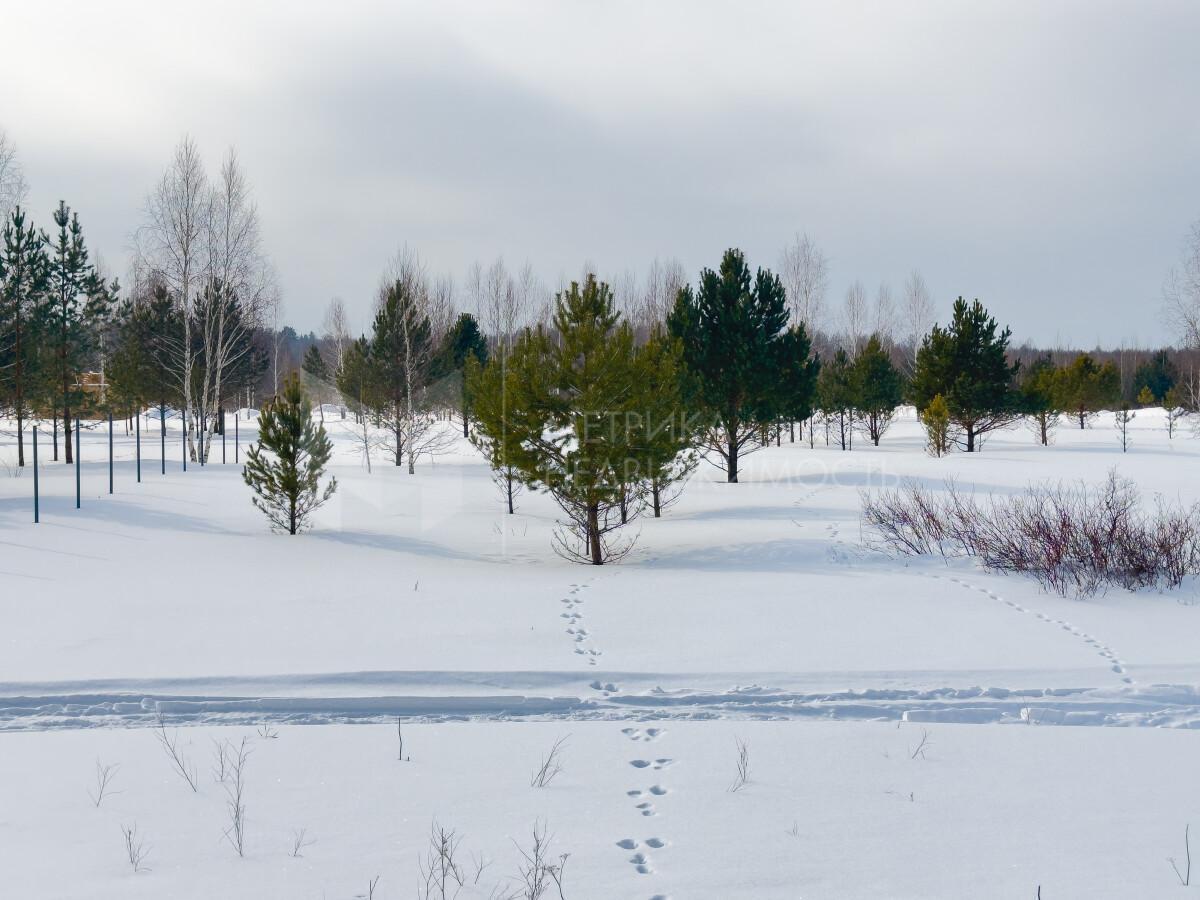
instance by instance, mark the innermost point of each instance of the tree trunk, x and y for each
(656, 494)
(54, 421)
(970, 438)
(508, 483)
(731, 471)
(593, 526)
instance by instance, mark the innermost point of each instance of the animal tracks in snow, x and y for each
(580, 636)
(1115, 664)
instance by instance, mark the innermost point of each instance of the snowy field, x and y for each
(749, 612)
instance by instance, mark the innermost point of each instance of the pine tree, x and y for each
(966, 363)
(1124, 415)
(1085, 388)
(24, 274)
(935, 417)
(1040, 397)
(669, 436)
(568, 412)
(140, 368)
(314, 366)
(286, 484)
(77, 303)
(836, 396)
(878, 388)
(464, 340)
(736, 345)
(1146, 397)
(1176, 408)
(1157, 374)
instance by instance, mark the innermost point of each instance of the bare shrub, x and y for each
(235, 788)
(1075, 540)
(300, 840)
(104, 778)
(442, 875)
(136, 849)
(537, 872)
(170, 744)
(742, 776)
(550, 767)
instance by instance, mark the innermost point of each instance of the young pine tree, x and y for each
(936, 419)
(1085, 387)
(286, 484)
(1040, 397)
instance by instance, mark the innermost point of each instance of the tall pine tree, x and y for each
(736, 344)
(966, 363)
(24, 275)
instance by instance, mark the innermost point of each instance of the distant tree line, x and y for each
(605, 394)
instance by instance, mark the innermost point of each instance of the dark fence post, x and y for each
(235, 438)
(77, 482)
(35, 477)
(110, 453)
(137, 438)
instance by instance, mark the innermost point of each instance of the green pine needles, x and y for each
(286, 484)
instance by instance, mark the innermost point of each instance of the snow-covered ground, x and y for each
(749, 611)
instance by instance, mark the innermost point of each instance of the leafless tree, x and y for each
(173, 246)
(805, 273)
(13, 187)
(924, 745)
(884, 323)
(239, 292)
(855, 316)
(917, 314)
(664, 279)
(1181, 292)
(337, 330)
(502, 309)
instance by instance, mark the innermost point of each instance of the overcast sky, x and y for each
(1044, 157)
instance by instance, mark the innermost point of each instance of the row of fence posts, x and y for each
(137, 455)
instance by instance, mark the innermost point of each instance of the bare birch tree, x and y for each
(1182, 292)
(917, 314)
(174, 244)
(13, 187)
(855, 317)
(238, 294)
(884, 319)
(805, 273)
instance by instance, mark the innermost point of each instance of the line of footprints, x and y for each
(580, 635)
(1106, 652)
(644, 801)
